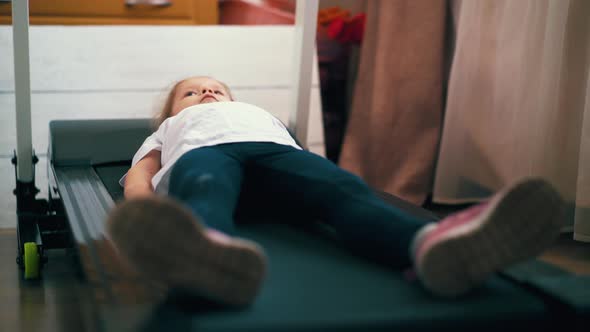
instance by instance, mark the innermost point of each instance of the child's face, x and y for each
(198, 90)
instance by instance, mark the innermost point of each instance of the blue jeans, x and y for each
(210, 179)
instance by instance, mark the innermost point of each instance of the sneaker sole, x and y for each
(517, 226)
(166, 243)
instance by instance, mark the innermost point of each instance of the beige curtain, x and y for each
(518, 102)
(396, 116)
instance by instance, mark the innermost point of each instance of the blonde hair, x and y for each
(166, 110)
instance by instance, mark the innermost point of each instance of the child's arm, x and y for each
(139, 178)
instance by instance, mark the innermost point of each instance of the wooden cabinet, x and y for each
(106, 12)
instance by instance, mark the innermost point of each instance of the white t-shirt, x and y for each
(206, 125)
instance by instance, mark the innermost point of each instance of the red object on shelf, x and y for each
(348, 30)
(335, 27)
(327, 15)
(244, 12)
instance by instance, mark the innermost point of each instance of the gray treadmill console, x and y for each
(96, 141)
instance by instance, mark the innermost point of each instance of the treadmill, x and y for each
(313, 283)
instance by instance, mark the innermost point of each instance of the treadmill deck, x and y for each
(313, 283)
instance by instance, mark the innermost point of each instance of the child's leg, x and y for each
(465, 248)
(168, 245)
(208, 181)
(450, 257)
(322, 190)
(167, 241)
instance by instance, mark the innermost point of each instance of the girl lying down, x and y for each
(183, 186)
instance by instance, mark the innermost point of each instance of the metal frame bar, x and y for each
(22, 90)
(304, 46)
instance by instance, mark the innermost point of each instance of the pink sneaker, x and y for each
(165, 242)
(460, 252)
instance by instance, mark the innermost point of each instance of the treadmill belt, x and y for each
(314, 284)
(110, 174)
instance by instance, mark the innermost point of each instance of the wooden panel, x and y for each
(177, 9)
(116, 12)
(112, 58)
(570, 255)
(65, 20)
(206, 12)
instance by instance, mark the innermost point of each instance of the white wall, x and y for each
(124, 72)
